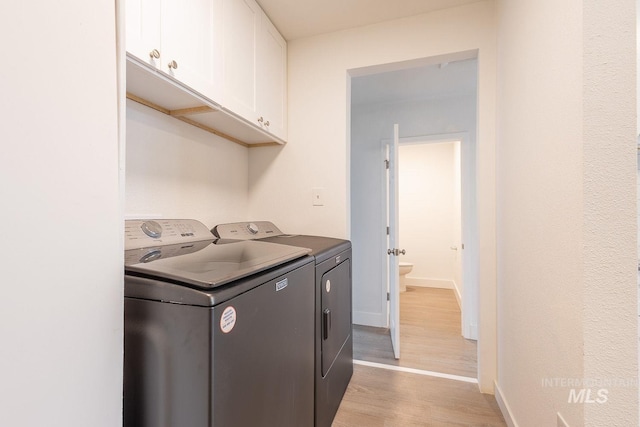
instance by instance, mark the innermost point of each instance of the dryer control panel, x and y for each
(141, 233)
(246, 230)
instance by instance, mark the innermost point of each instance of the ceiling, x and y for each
(434, 81)
(303, 18)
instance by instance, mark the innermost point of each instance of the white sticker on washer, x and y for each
(228, 319)
(328, 286)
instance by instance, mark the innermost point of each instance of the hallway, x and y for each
(430, 337)
(382, 395)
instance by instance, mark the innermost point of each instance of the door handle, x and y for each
(396, 252)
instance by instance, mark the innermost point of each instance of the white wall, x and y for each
(317, 154)
(566, 209)
(175, 170)
(427, 212)
(61, 324)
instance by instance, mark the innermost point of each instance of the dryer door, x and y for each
(336, 312)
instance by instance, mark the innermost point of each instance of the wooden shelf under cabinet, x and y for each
(148, 86)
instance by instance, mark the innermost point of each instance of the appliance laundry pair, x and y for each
(222, 332)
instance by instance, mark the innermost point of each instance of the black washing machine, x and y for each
(333, 318)
(217, 334)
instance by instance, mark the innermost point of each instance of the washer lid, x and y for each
(208, 264)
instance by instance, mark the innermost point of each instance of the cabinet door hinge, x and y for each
(386, 164)
(387, 231)
(388, 297)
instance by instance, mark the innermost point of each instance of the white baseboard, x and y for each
(504, 406)
(456, 290)
(470, 332)
(429, 283)
(561, 421)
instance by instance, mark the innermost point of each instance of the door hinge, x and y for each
(388, 297)
(386, 164)
(387, 231)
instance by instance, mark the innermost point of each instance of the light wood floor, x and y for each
(430, 340)
(382, 398)
(430, 335)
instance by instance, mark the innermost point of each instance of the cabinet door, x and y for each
(240, 27)
(191, 38)
(272, 79)
(143, 29)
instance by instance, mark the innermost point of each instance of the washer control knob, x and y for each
(152, 229)
(253, 228)
(151, 256)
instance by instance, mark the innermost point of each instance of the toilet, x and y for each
(405, 268)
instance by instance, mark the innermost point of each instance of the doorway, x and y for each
(431, 101)
(430, 206)
(448, 190)
(432, 235)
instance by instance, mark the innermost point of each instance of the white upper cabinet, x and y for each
(255, 56)
(241, 25)
(272, 79)
(190, 58)
(181, 39)
(143, 29)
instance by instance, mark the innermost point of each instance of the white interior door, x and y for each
(392, 248)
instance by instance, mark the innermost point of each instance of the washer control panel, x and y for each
(141, 233)
(152, 229)
(246, 230)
